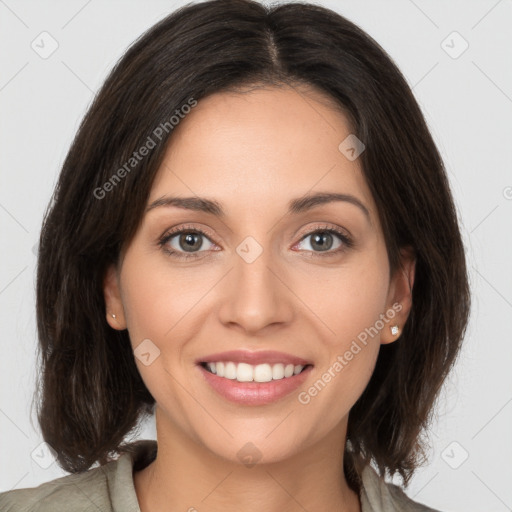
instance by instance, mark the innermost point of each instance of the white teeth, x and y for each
(278, 371)
(230, 371)
(243, 372)
(263, 373)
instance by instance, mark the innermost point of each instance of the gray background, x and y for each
(467, 101)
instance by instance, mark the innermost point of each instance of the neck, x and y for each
(187, 476)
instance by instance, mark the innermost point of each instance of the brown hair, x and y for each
(90, 393)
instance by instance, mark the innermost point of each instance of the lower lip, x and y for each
(254, 393)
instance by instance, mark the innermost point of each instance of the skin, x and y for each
(253, 152)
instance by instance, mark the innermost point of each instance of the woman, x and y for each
(253, 237)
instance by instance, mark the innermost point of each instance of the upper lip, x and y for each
(254, 358)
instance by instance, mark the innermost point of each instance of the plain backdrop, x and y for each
(456, 56)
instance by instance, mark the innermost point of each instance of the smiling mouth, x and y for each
(243, 372)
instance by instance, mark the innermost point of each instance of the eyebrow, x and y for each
(295, 206)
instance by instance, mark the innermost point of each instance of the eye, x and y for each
(324, 239)
(185, 242)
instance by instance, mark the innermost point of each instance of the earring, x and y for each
(113, 316)
(394, 330)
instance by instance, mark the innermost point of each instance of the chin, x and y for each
(260, 448)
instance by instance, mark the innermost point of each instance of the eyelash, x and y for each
(347, 241)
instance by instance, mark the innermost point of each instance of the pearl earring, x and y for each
(394, 330)
(113, 316)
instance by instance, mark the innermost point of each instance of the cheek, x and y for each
(355, 316)
(351, 300)
(159, 306)
(157, 299)
(352, 307)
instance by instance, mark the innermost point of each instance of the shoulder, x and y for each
(108, 488)
(76, 492)
(377, 495)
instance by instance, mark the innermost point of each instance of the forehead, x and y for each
(260, 147)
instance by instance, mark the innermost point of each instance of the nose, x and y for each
(256, 295)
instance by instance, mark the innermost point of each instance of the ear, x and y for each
(113, 302)
(400, 295)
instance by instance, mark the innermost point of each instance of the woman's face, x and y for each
(267, 275)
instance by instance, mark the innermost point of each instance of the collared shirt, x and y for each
(110, 488)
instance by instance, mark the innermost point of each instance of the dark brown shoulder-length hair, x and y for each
(90, 394)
